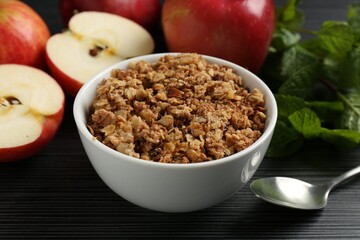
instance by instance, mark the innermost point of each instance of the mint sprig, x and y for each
(316, 80)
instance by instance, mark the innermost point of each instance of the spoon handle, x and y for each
(335, 181)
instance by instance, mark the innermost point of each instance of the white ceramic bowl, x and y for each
(173, 187)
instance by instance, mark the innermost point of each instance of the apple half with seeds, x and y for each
(94, 41)
(31, 111)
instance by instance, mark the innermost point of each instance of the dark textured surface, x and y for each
(58, 195)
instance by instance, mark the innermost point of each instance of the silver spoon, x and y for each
(293, 193)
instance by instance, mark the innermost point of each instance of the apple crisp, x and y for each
(181, 109)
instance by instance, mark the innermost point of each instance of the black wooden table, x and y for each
(58, 195)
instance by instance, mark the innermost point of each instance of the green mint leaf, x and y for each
(343, 71)
(301, 68)
(337, 37)
(314, 45)
(295, 59)
(306, 122)
(288, 12)
(271, 69)
(350, 70)
(283, 39)
(331, 68)
(300, 84)
(289, 16)
(341, 138)
(288, 104)
(327, 111)
(354, 19)
(350, 119)
(286, 141)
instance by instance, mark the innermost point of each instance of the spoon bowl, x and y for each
(294, 193)
(291, 192)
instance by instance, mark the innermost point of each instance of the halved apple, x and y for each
(94, 41)
(31, 111)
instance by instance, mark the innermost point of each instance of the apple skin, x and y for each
(51, 125)
(144, 12)
(239, 31)
(23, 35)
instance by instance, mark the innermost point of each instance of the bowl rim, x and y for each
(82, 129)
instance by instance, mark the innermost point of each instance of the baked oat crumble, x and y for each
(180, 109)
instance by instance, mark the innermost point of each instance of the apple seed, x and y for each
(7, 101)
(13, 101)
(97, 50)
(5, 104)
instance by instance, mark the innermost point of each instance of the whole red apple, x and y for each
(144, 12)
(31, 111)
(23, 34)
(238, 30)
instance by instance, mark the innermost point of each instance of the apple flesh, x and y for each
(144, 12)
(239, 31)
(95, 40)
(31, 111)
(23, 34)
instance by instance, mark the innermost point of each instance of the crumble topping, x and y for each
(180, 109)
